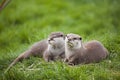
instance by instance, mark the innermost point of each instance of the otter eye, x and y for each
(66, 36)
(61, 35)
(80, 38)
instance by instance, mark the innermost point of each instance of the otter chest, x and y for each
(68, 54)
(57, 52)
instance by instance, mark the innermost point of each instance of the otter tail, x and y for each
(19, 58)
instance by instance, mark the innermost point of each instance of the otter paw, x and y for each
(71, 64)
(65, 60)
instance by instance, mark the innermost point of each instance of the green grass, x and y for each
(24, 22)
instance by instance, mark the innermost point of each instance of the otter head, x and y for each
(73, 41)
(56, 39)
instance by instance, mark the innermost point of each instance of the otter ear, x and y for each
(65, 35)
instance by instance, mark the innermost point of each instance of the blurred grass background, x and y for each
(24, 22)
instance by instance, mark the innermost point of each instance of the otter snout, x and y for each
(69, 39)
(70, 44)
(51, 41)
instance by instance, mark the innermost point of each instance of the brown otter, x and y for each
(76, 52)
(49, 49)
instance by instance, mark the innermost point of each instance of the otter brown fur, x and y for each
(76, 52)
(41, 49)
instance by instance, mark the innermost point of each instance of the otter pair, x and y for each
(69, 47)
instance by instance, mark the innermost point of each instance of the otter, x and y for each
(56, 48)
(50, 48)
(78, 53)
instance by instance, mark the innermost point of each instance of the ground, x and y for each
(24, 22)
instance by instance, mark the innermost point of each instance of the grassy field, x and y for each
(24, 22)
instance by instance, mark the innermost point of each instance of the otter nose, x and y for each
(69, 39)
(49, 40)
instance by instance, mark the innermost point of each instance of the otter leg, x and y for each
(72, 64)
(66, 60)
(48, 57)
(72, 61)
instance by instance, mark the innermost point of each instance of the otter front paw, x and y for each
(65, 60)
(46, 59)
(71, 64)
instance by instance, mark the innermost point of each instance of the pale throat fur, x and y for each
(56, 45)
(91, 51)
(72, 43)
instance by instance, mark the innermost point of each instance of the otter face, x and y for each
(73, 41)
(56, 39)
